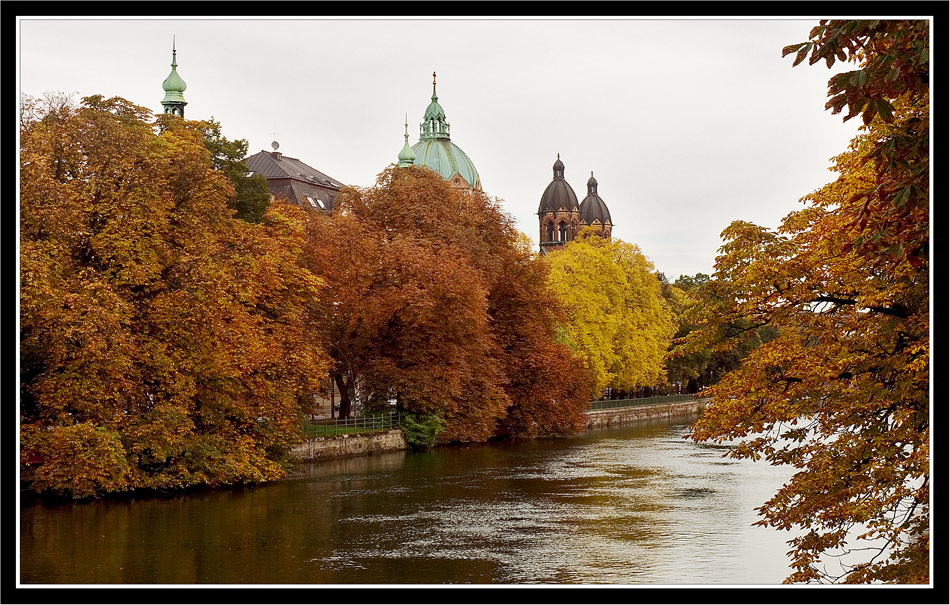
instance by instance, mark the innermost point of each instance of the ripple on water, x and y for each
(620, 507)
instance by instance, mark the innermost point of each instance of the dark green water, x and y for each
(637, 505)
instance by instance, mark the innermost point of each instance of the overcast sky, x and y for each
(686, 124)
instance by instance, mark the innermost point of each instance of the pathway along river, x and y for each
(631, 505)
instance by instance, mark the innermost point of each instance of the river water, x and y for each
(632, 505)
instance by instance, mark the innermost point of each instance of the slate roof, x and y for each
(593, 208)
(289, 177)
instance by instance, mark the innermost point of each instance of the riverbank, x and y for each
(345, 446)
(656, 412)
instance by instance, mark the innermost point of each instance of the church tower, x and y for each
(174, 101)
(594, 210)
(559, 214)
(560, 217)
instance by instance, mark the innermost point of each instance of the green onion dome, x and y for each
(406, 155)
(174, 86)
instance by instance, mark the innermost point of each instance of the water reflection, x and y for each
(616, 506)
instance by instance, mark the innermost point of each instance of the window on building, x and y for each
(316, 202)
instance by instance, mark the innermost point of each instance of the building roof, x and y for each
(436, 150)
(593, 208)
(446, 158)
(558, 194)
(295, 180)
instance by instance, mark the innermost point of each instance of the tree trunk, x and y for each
(345, 385)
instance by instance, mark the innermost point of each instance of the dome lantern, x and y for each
(558, 169)
(434, 125)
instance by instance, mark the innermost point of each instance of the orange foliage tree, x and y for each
(433, 301)
(163, 343)
(842, 393)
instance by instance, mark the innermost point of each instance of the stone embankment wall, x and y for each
(343, 446)
(657, 412)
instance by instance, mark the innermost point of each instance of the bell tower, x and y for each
(558, 212)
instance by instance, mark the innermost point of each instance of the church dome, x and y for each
(173, 85)
(445, 157)
(593, 208)
(436, 150)
(558, 193)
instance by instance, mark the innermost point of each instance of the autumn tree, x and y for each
(618, 321)
(842, 393)
(402, 322)
(698, 301)
(548, 384)
(251, 195)
(433, 302)
(162, 342)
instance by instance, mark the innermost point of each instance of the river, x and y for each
(630, 505)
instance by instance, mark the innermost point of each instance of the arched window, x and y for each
(562, 231)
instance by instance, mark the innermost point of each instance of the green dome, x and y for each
(437, 151)
(445, 157)
(173, 85)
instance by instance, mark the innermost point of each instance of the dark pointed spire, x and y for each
(592, 184)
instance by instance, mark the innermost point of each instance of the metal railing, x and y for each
(609, 404)
(348, 426)
(327, 427)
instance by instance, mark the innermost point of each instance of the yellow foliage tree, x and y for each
(618, 321)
